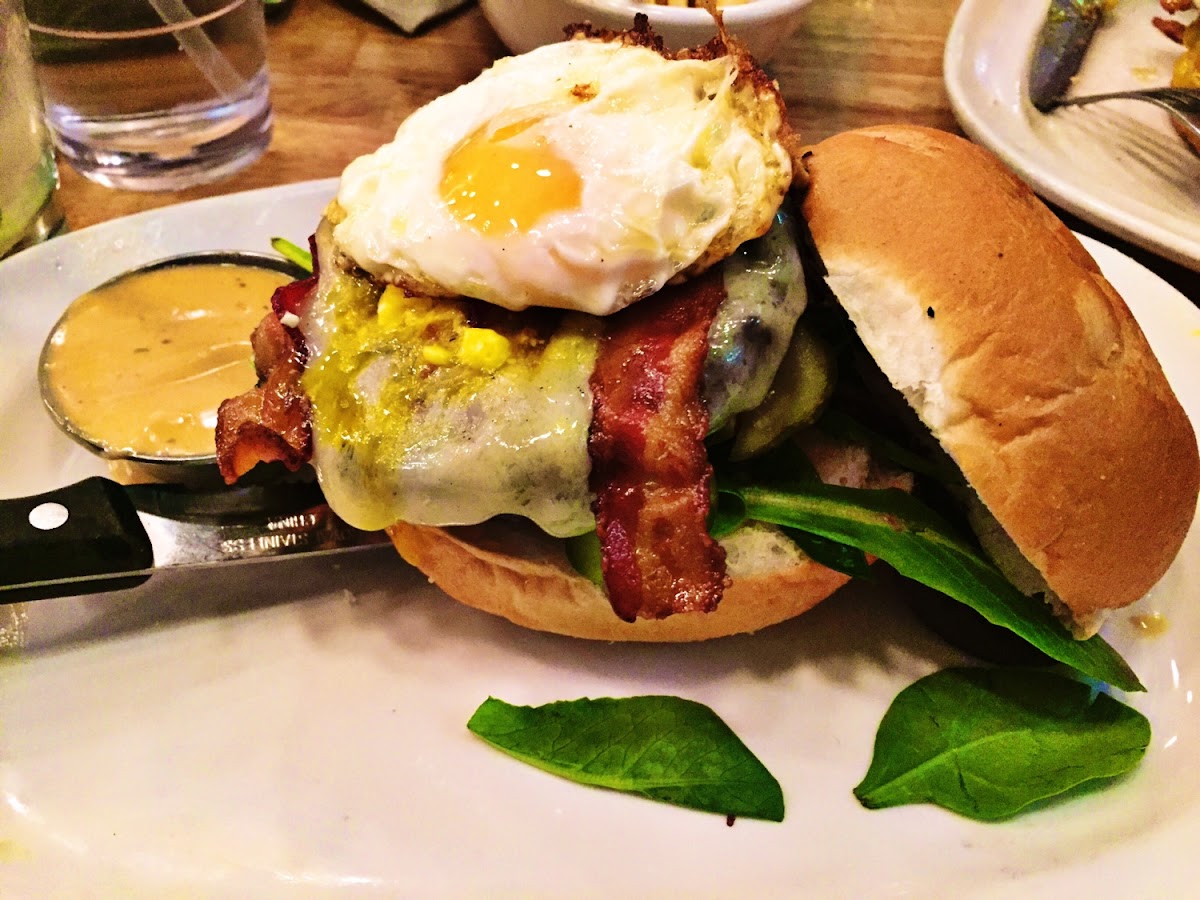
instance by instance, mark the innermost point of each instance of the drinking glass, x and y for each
(153, 94)
(28, 178)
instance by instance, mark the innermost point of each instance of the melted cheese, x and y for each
(426, 412)
(423, 416)
(765, 297)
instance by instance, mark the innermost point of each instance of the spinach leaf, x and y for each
(665, 748)
(586, 557)
(727, 516)
(914, 540)
(986, 743)
(783, 468)
(831, 554)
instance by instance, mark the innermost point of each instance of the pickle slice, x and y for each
(800, 390)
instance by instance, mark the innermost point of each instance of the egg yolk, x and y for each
(501, 183)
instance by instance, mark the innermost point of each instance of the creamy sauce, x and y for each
(421, 416)
(1149, 625)
(140, 366)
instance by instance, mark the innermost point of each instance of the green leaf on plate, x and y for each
(917, 543)
(665, 748)
(986, 743)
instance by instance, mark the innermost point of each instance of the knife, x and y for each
(97, 535)
(1061, 45)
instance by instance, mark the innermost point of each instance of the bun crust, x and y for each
(990, 317)
(516, 572)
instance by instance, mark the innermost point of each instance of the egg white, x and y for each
(668, 157)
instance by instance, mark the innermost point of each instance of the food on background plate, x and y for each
(519, 376)
(1186, 71)
(1060, 47)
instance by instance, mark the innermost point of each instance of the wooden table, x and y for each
(343, 77)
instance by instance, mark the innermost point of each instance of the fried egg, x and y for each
(583, 175)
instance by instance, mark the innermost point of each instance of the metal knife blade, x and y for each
(1061, 46)
(97, 535)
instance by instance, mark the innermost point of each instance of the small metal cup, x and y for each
(130, 467)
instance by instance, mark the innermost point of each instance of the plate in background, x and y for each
(1120, 165)
(297, 729)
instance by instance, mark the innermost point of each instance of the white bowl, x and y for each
(763, 25)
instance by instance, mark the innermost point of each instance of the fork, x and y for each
(1182, 103)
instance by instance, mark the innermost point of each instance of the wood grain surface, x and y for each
(343, 77)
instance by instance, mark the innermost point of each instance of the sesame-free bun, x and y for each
(510, 568)
(996, 325)
(515, 571)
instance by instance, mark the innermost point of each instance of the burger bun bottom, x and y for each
(513, 570)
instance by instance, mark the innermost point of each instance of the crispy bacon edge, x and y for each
(273, 421)
(650, 471)
(1173, 28)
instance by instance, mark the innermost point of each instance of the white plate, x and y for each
(298, 730)
(1118, 165)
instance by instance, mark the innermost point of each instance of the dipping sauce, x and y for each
(1150, 624)
(140, 365)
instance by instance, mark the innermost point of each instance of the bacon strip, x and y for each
(650, 471)
(272, 422)
(1172, 28)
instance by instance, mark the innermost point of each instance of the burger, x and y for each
(581, 331)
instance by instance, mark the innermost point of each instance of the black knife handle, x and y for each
(101, 535)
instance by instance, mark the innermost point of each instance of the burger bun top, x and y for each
(998, 328)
